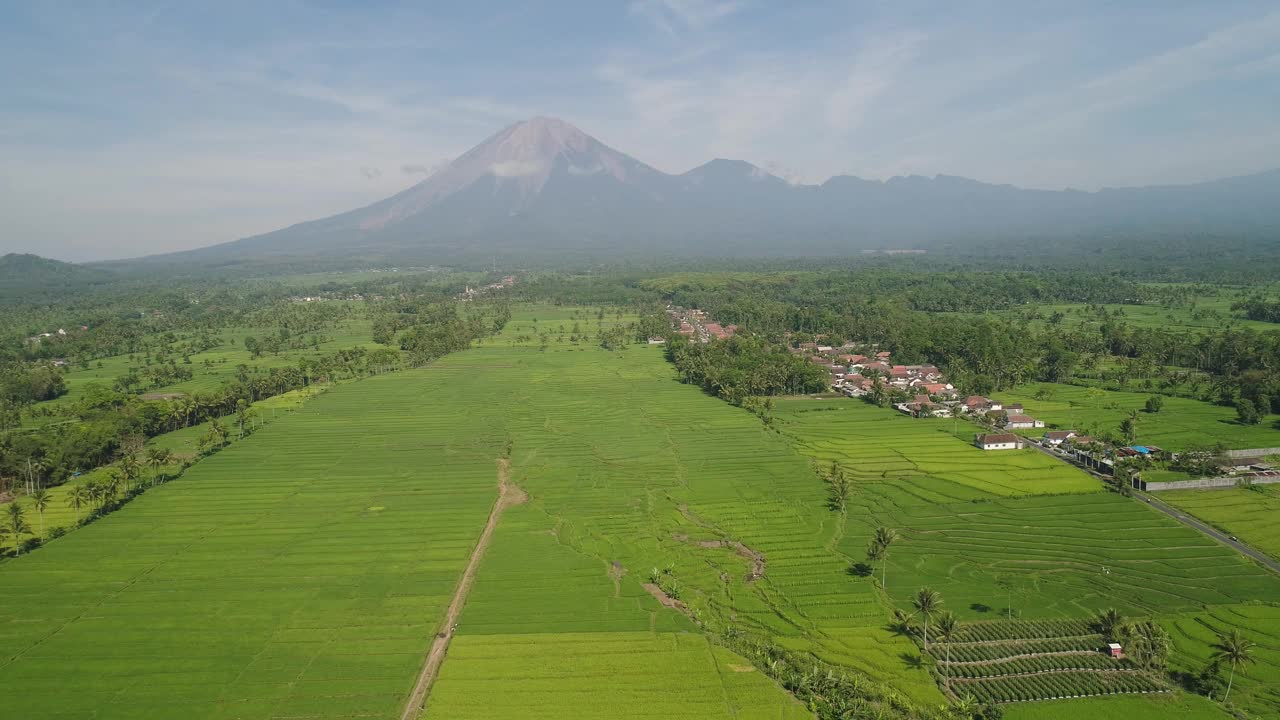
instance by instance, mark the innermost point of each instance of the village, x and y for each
(922, 391)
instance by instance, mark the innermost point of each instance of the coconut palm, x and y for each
(177, 413)
(884, 537)
(926, 602)
(946, 630)
(130, 468)
(78, 497)
(40, 501)
(1235, 649)
(1108, 621)
(157, 457)
(15, 524)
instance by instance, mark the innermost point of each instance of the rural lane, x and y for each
(1223, 538)
(1262, 558)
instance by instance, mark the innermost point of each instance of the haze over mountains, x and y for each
(544, 186)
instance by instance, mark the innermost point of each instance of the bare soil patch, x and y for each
(662, 597)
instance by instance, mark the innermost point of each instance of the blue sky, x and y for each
(128, 129)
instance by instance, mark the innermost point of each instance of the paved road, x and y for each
(1261, 557)
(1191, 522)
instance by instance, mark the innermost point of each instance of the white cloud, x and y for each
(671, 16)
(515, 168)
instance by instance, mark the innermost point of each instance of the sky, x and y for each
(130, 129)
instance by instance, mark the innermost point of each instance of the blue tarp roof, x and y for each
(1140, 448)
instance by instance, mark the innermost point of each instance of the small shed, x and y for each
(1114, 650)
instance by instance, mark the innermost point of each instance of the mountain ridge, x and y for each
(543, 185)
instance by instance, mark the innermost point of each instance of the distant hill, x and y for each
(543, 187)
(27, 273)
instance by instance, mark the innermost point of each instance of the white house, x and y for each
(998, 442)
(1019, 422)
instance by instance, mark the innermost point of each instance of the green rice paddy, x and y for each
(303, 571)
(1182, 422)
(1251, 514)
(1255, 689)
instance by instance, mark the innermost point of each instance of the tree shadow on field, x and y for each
(860, 569)
(913, 661)
(980, 607)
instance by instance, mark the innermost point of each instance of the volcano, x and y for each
(543, 186)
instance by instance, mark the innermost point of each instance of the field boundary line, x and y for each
(508, 495)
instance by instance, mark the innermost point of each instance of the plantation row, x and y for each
(977, 653)
(1058, 685)
(1027, 665)
(1022, 630)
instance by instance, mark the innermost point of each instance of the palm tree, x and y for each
(157, 457)
(40, 501)
(1235, 649)
(130, 468)
(15, 524)
(884, 537)
(34, 469)
(177, 413)
(947, 628)
(111, 487)
(78, 497)
(926, 602)
(1109, 621)
(956, 411)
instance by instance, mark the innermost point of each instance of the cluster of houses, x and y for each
(855, 373)
(697, 325)
(59, 333)
(502, 284)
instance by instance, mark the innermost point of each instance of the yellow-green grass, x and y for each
(1045, 557)
(920, 454)
(636, 468)
(1256, 688)
(1179, 424)
(301, 572)
(1166, 706)
(551, 626)
(1251, 514)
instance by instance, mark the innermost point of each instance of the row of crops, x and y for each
(1069, 684)
(1022, 630)
(1035, 664)
(1011, 648)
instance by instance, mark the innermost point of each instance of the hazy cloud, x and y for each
(134, 132)
(515, 168)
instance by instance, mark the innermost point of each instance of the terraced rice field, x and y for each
(920, 454)
(1251, 514)
(1256, 689)
(1063, 556)
(1180, 423)
(303, 572)
(585, 641)
(299, 573)
(632, 467)
(1019, 661)
(1170, 706)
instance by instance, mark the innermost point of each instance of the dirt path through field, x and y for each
(508, 494)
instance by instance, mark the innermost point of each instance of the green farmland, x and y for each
(920, 455)
(1255, 689)
(1180, 423)
(1251, 514)
(304, 571)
